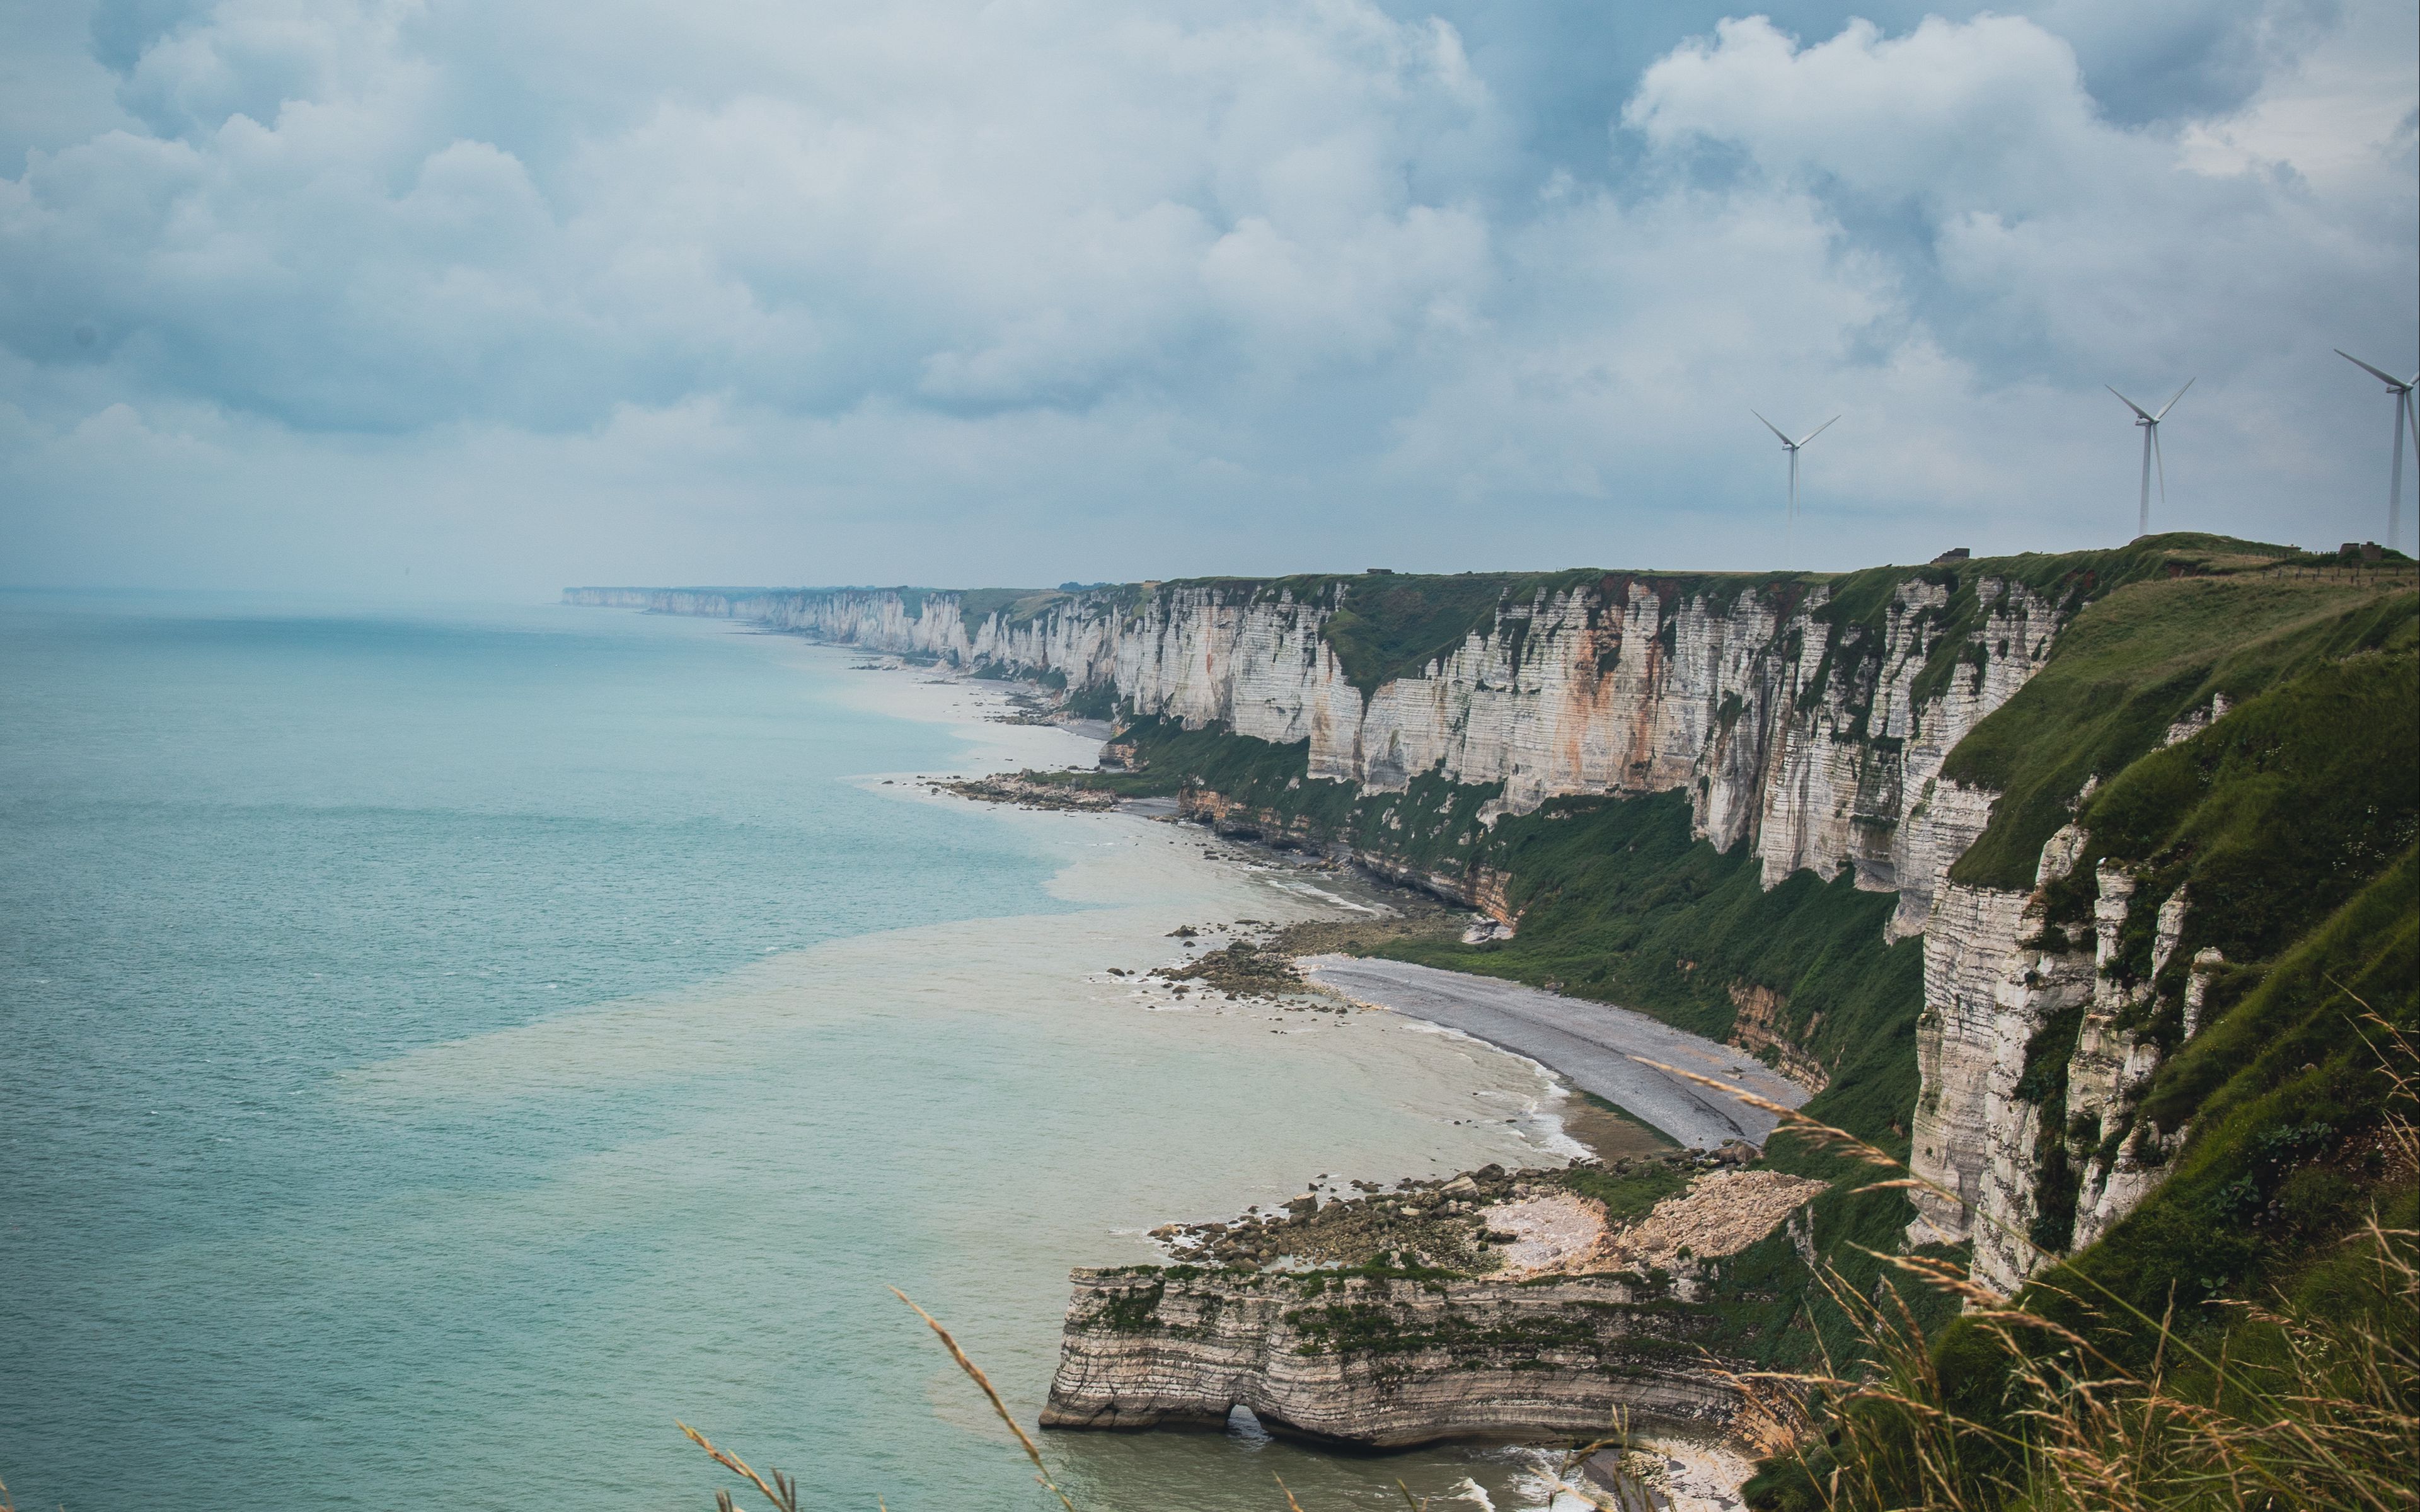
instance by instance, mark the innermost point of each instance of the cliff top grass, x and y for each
(2137, 660)
(2290, 828)
(1016, 606)
(1383, 626)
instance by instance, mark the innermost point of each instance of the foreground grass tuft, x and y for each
(2308, 1403)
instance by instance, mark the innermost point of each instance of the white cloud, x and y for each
(1992, 112)
(1274, 278)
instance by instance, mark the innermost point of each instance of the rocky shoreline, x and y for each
(1494, 1304)
(1024, 793)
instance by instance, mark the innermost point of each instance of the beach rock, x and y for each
(1028, 790)
(1376, 1362)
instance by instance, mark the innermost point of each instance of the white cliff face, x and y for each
(1994, 978)
(1628, 685)
(1843, 795)
(1987, 991)
(1968, 950)
(2009, 1199)
(1944, 818)
(2106, 1079)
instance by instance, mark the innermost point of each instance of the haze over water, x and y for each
(443, 1049)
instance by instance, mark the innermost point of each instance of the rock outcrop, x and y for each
(1375, 1361)
(1494, 1304)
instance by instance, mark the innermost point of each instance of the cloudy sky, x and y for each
(392, 296)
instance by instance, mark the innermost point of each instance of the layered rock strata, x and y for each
(1997, 976)
(1378, 1363)
(1494, 1304)
(1816, 740)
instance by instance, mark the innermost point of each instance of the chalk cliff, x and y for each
(1812, 731)
(1806, 718)
(2031, 1060)
(1809, 719)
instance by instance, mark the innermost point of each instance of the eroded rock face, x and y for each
(1995, 977)
(1497, 1302)
(1820, 754)
(2112, 1066)
(1969, 948)
(1758, 1028)
(1377, 1362)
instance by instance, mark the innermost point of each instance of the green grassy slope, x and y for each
(2134, 663)
(2293, 826)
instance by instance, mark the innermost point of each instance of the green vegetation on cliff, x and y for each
(1383, 626)
(1618, 903)
(2134, 663)
(2292, 826)
(2248, 1326)
(1387, 626)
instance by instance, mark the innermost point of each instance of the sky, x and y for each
(436, 297)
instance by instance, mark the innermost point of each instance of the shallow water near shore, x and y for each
(444, 1048)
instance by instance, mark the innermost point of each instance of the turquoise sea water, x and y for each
(443, 1048)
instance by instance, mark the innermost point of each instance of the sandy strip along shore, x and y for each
(1589, 1044)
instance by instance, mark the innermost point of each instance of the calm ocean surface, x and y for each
(441, 1049)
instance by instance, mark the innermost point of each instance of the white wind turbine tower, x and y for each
(2404, 417)
(1789, 526)
(2151, 424)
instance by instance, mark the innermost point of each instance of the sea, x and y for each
(444, 1048)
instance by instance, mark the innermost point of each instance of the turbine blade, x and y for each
(2171, 400)
(2387, 379)
(1771, 426)
(2163, 466)
(1819, 430)
(2130, 403)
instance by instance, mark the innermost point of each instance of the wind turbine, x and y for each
(2151, 424)
(1789, 528)
(2404, 416)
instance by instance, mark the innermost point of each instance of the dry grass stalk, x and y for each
(1817, 1132)
(2329, 1424)
(787, 1497)
(974, 1373)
